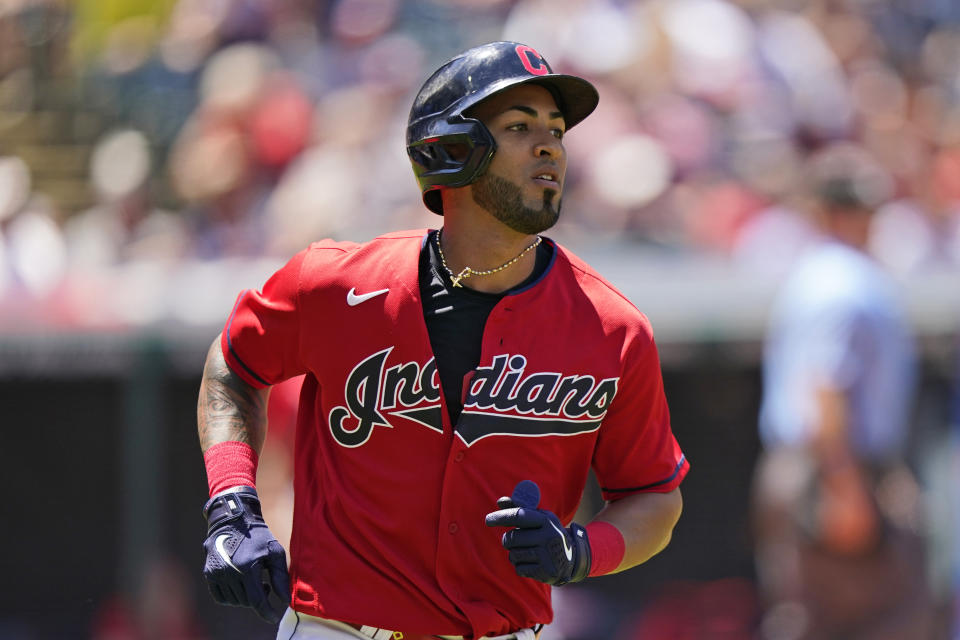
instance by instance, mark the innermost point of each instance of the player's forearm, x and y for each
(646, 521)
(830, 442)
(228, 408)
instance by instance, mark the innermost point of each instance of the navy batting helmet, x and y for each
(437, 117)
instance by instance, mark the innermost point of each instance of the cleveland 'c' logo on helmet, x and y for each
(529, 57)
(502, 399)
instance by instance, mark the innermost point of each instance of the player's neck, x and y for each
(483, 247)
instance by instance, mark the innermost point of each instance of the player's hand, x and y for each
(540, 546)
(244, 563)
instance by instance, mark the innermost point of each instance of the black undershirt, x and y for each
(456, 317)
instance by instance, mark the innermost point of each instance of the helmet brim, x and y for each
(575, 97)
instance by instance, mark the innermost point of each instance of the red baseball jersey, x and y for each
(390, 497)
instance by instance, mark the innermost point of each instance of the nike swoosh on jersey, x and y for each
(223, 552)
(567, 549)
(354, 298)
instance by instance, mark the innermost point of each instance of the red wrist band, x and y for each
(230, 464)
(606, 547)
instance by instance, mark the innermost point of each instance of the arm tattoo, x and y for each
(228, 407)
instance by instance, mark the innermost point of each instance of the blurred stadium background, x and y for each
(157, 156)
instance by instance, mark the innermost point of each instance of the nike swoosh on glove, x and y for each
(245, 566)
(540, 546)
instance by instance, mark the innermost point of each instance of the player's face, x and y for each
(522, 186)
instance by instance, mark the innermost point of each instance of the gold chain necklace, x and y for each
(469, 271)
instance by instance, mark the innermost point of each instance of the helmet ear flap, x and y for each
(436, 155)
(433, 200)
(436, 164)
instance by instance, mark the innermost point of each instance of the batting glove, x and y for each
(244, 562)
(540, 546)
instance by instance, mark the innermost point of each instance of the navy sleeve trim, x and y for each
(673, 475)
(233, 352)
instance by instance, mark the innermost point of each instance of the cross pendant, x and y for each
(455, 279)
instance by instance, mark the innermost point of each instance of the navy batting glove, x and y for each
(244, 562)
(540, 546)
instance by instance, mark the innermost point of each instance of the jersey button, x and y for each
(459, 457)
(453, 527)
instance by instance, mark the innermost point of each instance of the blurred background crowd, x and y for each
(157, 156)
(139, 136)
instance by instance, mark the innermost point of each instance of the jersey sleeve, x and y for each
(636, 450)
(261, 339)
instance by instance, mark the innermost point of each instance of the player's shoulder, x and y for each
(331, 262)
(389, 246)
(391, 239)
(602, 294)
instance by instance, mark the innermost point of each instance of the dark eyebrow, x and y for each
(532, 112)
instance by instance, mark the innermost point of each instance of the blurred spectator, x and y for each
(214, 164)
(921, 231)
(838, 550)
(14, 192)
(36, 249)
(123, 233)
(32, 248)
(123, 225)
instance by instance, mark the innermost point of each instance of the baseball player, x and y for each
(459, 385)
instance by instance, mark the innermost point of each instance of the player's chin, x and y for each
(544, 219)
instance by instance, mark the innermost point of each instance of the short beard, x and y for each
(504, 201)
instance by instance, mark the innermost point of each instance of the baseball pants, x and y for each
(300, 626)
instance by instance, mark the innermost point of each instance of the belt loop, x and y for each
(378, 634)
